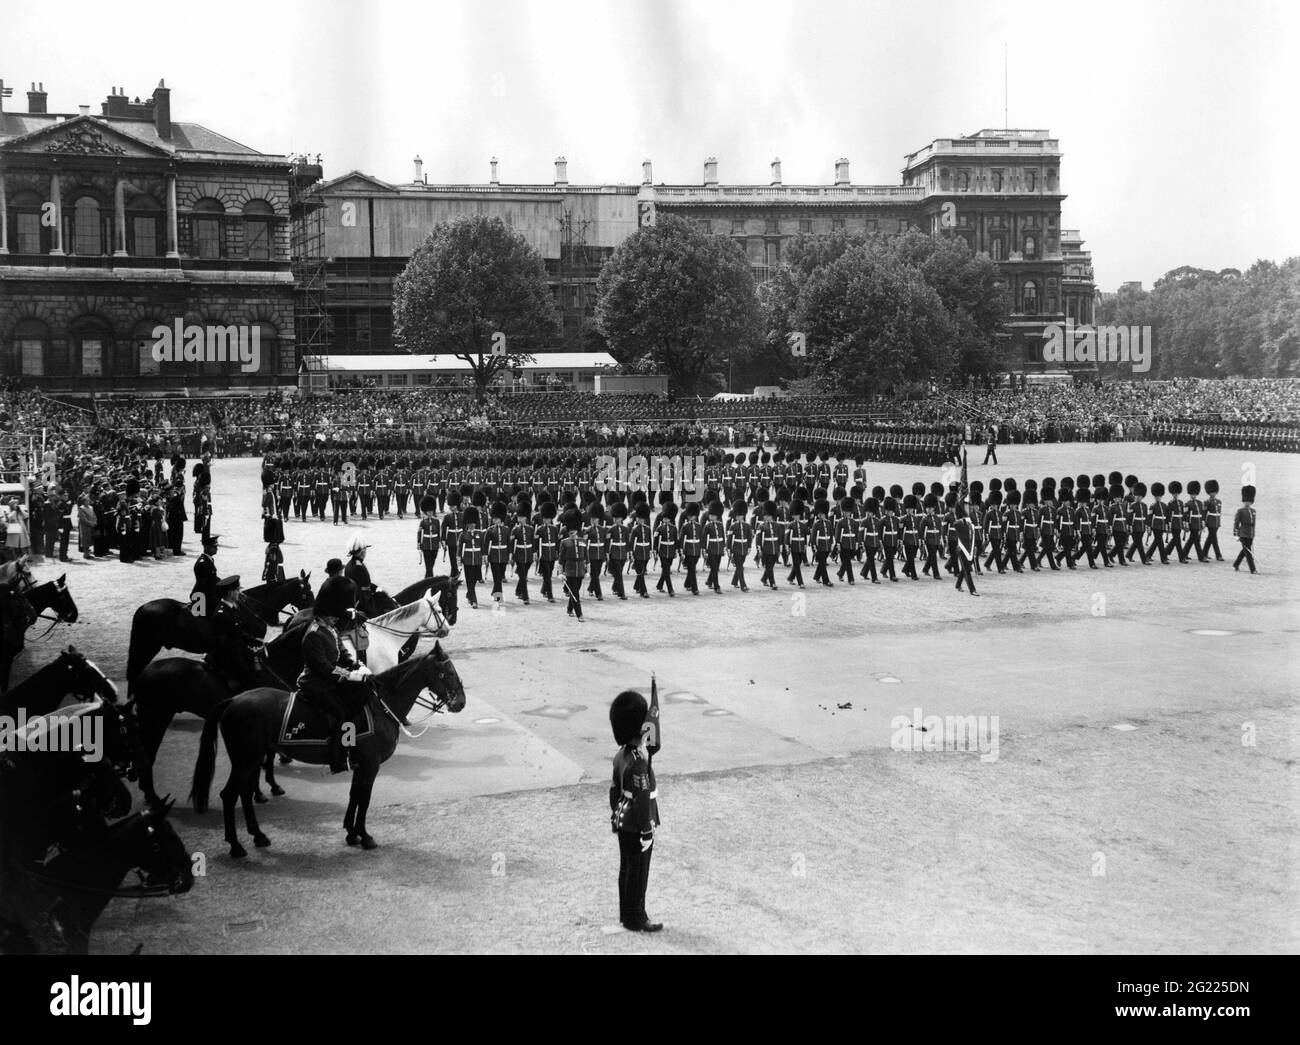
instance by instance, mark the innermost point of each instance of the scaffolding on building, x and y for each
(576, 272)
(307, 251)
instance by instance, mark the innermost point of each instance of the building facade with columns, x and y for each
(998, 190)
(114, 223)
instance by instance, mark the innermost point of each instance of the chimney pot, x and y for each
(36, 99)
(841, 171)
(419, 163)
(776, 171)
(711, 171)
(494, 179)
(561, 171)
(647, 177)
(85, 110)
(162, 111)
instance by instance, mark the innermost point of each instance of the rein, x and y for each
(54, 623)
(433, 706)
(132, 892)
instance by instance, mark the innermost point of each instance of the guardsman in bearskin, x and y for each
(365, 494)
(911, 521)
(176, 518)
(965, 549)
(402, 492)
(1083, 525)
(796, 541)
(617, 547)
(822, 538)
(327, 665)
(548, 546)
(634, 807)
(740, 536)
(593, 537)
(383, 495)
(715, 544)
(691, 542)
(642, 542)
(931, 535)
(1243, 528)
(205, 577)
(496, 547)
(573, 561)
(665, 546)
(1117, 520)
(1029, 524)
(1012, 527)
(1195, 522)
(302, 495)
(890, 536)
(1174, 514)
(471, 552)
(846, 537)
(768, 537)
(993, 524)
(428, 535)
(320, 494)
(523, 538)
(1159, 522)
(1047, 522)
(339, 498)
(1065, 522)
(451, 530)
(273, 567)
(285, 491)
(1213, 519)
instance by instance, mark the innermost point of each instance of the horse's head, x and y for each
(150, 842)
(59, 599)
(441, 678)
(83, 677)
(301, 594)
(449, 601)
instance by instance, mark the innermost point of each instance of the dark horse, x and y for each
(251, 726)
(76, 884)
(22, 603)
(170, 623)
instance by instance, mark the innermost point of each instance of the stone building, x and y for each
(115, 223)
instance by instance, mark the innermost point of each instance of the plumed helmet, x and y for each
(627, 715)
(1212, 486)
(548, 510)
(1157, 489)
(1194, 488)
(931, 502)
(896, 492)
(1248, 495)
(878, 492)
(356, 546)
(1175, 487)
(428, 504)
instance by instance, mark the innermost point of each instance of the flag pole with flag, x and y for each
(653, 738)
(965, 486)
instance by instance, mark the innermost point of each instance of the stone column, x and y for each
(119, 219)
(57, 200)
(173, 240)
(4, 215)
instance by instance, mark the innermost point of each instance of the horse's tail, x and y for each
(205, 765)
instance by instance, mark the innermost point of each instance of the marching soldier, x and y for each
(573, 561)
(451, 531)
(911, 533)
(797, 543)
(617, 547)
(366, 495)
(822, 536)
(715, 543)
(870, 540)
(321, 493)
(1174, 513)
(285, 491)
(1012, 524)
(769, 540)
(993, 526)
(932, 535)
(665, 546)
(846, 540)
(1029, 521)
(522, 539)
(1195, 522)
(1138, 516)
(1159, 522)
(339, 499)
(1047, 523)
(595, 536)
(302, 495)
(1213, 519)
(739, 537)
(889, 537)
(402, 490)
(427, 535)
(471, 544)
(1118, 520)
(496, 546)
(642, 540)
(548, 546)
(1243, 528)
(383, 495)
(691, 540)
(1065, 522)
(965, 549)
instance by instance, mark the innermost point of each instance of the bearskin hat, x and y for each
(428, 504)
(856, 492)
(1130, 481)
(1031, 485)
(479, 499)
(976, 490)
(1157, 489)
(471, 517)
(798, 510)
(822, 506)
(936, 489)
(596, 511)
(891, 505)
(268, 478)
(1067, 483)
(1115, 479)
(627, 715)
(572, 519)
(995, 485)
(1008, 485)
(548, 510)
(1194, 488)
(838, 494)
(1082, 480)
(1116, 492)
(738, 508)
(1140, 489)
(642, 510)
(911, 503)
(878, 492)
(1081, 495)
(1013, 498)
(896, 492)
(524, 506)
(715, 508)
(931, 502)
(1212, 486)
(1248, 495)
(499, 510)
(765, 457)
(691, 509)
(1030, 496)
(994, 499)
(669, 511)
(918, 489)
(132, 487)
(1175, 487)
(873, 506)
(950, 499)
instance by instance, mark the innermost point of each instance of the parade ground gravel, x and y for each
(1143, 795)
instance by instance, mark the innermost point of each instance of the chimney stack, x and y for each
(776, 171)
(162, 111)
(494, 180)
(561, 171)
(419, 164)
(116, 104)
(711, 171)
(36, 99)
(84, 110)
(646, 177)
(841, 171)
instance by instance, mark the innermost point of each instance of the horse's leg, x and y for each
(269, 766)
(363, 782)
(228, 795)
(250, 775)
(350, 817)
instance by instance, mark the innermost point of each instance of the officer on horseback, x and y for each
(205, 578)
(359, 574)
(231, 654)
(327, 666)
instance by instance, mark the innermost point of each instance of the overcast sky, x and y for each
(1177, 120)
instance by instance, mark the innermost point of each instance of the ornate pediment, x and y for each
(82, 136)
(83, 141)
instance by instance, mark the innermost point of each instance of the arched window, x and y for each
(963, 181)
(273, 360)
(1031, 180)
(144, 227)
(137, 357)
(259, 226)
(997, 181)
(943, 179)
(1030, 246)
(996, 249)
(29, 236)
(25, 353)
(1029, 298)
(87, 237)
(90, 342)
(205, 229)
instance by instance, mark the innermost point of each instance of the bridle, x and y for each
(432, 704)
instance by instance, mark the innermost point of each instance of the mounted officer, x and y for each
(327, 669)
(205, 577)
(231, 653)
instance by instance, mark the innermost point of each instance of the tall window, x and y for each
(805, 225)
(138, 359)
(1029, 298)
(259, 222)
(1031, 180)
(91, 342)
(996, 249)
(837, 224)
(144, 228)
(205, 229)
(87, 227)
(772, 228)
(26, 352)
(1030, 246)
(963, 181)
(25, 224)
(997, 181)
(737, 227)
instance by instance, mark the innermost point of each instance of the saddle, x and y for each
(305, 723)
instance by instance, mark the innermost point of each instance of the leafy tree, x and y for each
(678, 299)
(477, 290)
